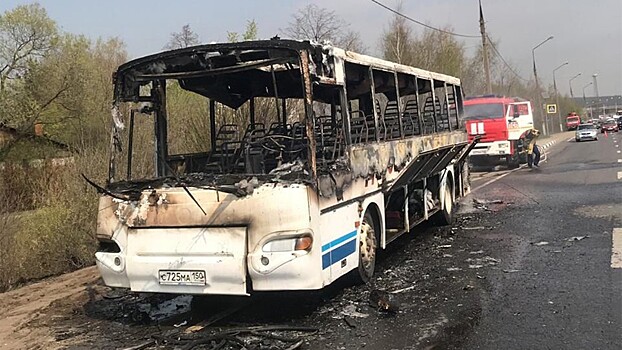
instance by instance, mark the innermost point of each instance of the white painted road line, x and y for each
(497, 178)
(616, 248)
(619, 160)
(619, 175)
(619, 151)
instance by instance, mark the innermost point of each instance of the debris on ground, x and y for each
(351, 311)
(445, 246)
(474, 228)
(403, 290)
(468, 287)
(485, 201)
(576, 238)
(383, 300)
(541, 243)
(476, 252)
(510, 271)
(255, 337)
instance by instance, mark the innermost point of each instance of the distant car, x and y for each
(596, 122)
(586, 132)
(609, 125)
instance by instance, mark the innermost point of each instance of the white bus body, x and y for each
(303, 224)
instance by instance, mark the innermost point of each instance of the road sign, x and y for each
(551, 109)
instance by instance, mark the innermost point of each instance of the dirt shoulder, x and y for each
(29, 303)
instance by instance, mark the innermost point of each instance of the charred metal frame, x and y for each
(340, 171)
(399, 104)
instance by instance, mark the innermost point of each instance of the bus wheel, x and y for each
(367, 250)
(446, 214)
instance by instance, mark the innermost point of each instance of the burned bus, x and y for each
(308, 159)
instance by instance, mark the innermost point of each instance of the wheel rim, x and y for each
(367, 240)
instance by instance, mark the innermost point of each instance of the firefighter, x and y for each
(533, 151)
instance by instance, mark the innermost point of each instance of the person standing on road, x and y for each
(533, 151)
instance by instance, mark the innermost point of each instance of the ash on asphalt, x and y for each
(432, 276)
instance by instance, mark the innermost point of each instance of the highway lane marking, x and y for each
(616, 248)
(618, 151)
(497, 178)
(619, 160)
(619, 175)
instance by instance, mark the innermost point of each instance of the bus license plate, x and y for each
(182, 277)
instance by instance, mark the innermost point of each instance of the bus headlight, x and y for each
(289, 244)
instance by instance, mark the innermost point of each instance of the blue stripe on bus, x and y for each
(338, 253)
(341, 239)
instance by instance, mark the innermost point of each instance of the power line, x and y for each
(503, 59)
(421, 23)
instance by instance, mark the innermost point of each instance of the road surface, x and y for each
(529, 264)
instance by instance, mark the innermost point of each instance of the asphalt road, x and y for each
(555, 287)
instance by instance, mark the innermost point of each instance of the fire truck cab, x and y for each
(500, 122)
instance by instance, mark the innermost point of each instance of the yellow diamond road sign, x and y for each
(551, 109)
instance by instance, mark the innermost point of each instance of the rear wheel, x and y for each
(368, 243)
(446, 214)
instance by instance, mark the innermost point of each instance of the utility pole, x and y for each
(538, 96)
(482, 29)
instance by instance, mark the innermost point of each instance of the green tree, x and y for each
(26, 33)
(397, 39)
(250, 33)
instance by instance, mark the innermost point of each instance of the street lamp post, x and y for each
(584, 102)
(559, 112)
(570, 83)
(595, 84)
(535, 75)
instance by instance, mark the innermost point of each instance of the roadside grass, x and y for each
(47, 220)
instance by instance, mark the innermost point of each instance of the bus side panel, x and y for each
(340, 230)
(339, 241)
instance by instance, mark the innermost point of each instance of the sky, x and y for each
(587, 34)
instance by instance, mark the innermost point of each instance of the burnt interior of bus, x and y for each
(258, 110)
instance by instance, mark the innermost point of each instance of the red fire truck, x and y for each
(500, 122)
(572, 121)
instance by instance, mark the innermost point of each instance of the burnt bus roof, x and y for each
(195, 62)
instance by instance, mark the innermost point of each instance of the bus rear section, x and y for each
(165, 243)
(500, 123)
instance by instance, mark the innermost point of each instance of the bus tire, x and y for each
(368, 245)
(445, 216)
